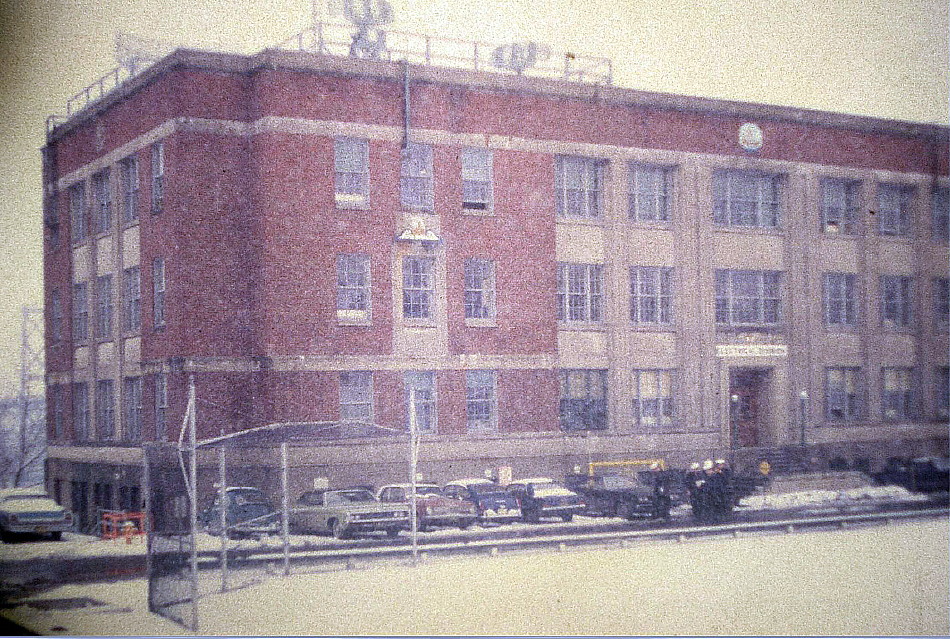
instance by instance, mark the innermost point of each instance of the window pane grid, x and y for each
(843, 394)
(351, 166)
(81, 411)
(583, 404)
(353, 289)
(839, 299)
(417, 287)
(130, 189)
(132, 398)
(133, 299)
(940, 213)
(748, 298)
(578, 186)
(653, 399)
(356, 401)
(651, 295)
(102, 202)
(161, 407)
(895, 301)
(479, 289)
(476, 179)
(105, 409)
(580, 296)
(80, 312)
(480, 403)
(839, 206)
(158, 291)
(893, 202)
(745, 199)
(416, 177)
(423, 382)
(649, 193)
(897, 396)
(104, 306)
(158, 176)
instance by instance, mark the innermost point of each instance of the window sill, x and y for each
(750, 328)
(833, 235)
(480, 323)
(657, 225)
(489, 212)
(581, 326)
(653, 328)
(843, 329)
(128, 224)
(158, 329)
(581, 221)
(356, 204)
(353, 322)
(898, 330)
(132, 333)
(419, 323)
(103, 234)
(772, 231)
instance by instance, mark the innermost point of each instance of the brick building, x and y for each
(562, 271)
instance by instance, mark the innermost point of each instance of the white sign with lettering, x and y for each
(752, 350)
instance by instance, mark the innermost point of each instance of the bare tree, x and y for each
(22, 455)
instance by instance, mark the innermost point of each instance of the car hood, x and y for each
(31, 506)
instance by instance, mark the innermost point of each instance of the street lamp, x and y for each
(803, 406)
(734, 421)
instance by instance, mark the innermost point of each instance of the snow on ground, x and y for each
(853, 497)
(889, 580)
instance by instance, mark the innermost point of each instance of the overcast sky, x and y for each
(871, 57)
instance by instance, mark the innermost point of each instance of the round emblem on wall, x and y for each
(750, 136)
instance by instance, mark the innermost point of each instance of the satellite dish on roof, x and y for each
(368, 16)
(519, 56)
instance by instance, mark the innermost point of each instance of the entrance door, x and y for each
(748, 385)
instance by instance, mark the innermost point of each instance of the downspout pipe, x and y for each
(406, 105)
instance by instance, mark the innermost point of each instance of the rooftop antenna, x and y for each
(368, 16)
(519, 56)
(135, 53)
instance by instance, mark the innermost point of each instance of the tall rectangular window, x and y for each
(104, 306)
(580, 292)
(351, 166)
(649, 192)
(839, 205)
(942, 392)
(748, 298)
(105, 409)
(897, 394)
(843, 394)
(158, 177)
(896, 301)
(423, 383)
(476, 179)
(893, 209)
(353, 288)
(80, 312)
(941, 297)
(132, 405)
(161, 407)
(158, 292)
(77, 211)
(940, 213)
(55, 317)
(651, 295)
(415, 182)
(56, 396)
(417, 287)
(81, 411)
(838, 300)
(653, 399)
(746, 198)
(480, 402)
(583, 404)
(102, 202)
(52, 222)
(578, 185)
(129, 175)
(132, 299)
(479, 289)
(356, 401)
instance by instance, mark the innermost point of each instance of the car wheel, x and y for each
(6, 537)
(392, 533)
(532, 516)
(56, 536)
(567, 516)
(339, 529)
(623, 510)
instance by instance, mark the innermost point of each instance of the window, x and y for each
(649, 193)
(105, 409)
(838, 298)
(102, 202)
(56, 397)
(132, 315)
(161, 407)
(653, 399)
(748, 298)
(423, 383)
(353, 288)
(479, 289)
(356, 401)
(132, 403)
(415, 183)
(351, 164)
(578, 185)
(476, 179)
(895, 301)
(742, 198)
(651, 295)
(81, 411)
(55, 317)
(417, 287)
(158, 292)
(893, 209)
(77, 211)
(480, 402)
(104, 306)
(843, 394)
(940, 213)
(839, 206)
(941, 286)
(942, 392)
(129, 175)
(583, 403)
(579, 292)
(158, 177)
(51, 221)
(897, 396)
(80, 312)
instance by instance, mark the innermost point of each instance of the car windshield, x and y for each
(348, 497)
(249, 496)
(428, 490)
(551, 490)
(618, 481)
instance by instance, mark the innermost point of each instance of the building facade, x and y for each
(563, 272)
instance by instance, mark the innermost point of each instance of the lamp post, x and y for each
(803, 409)
(734, 421)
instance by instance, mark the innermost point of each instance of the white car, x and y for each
(31, 511)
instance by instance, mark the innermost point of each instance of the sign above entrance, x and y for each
(751, 350)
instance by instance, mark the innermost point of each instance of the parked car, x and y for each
(345, 511)
(31, 511)
(542, 497)
(249, 513)
(922, 474)
(492, 503)
(619, 496)
(432, 507)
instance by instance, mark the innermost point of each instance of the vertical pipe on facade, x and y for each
(193, 506)
(406, 106)
(222, 514)
(285, 507)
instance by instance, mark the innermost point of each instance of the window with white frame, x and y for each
(839, 300)
(479, 289)
(132, 413)
(649, 192)
(579, 292)
(583, 404)
(417, 287)
(129, 176)
(941, 297)
(351, 166)
(839, 205)
(353, 288)
(105, 409)
(896, 300)
(132, 299)
(77, 211)
(104, 306)
(56, 317)
(897, 393)
(746, 198)
(422, 384)
(158, 292)
(748, 298)
(476, 179)
(102, 202)
(942, 392)
(653, 399)
(480, 403)
(81, 411)
(158, 177)
(579, 186)
(940, 213)
(893, 209)
(356, 401)
(415, 182)
(80, 312)
(843, 394)
(161, 406)
(651, 295)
